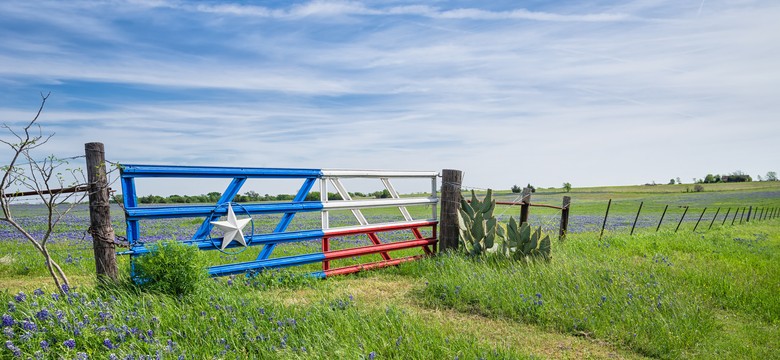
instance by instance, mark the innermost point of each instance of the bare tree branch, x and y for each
(39, 177)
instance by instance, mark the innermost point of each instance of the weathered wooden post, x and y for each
(747, 219)
(526, 206)
(637, 217)
(565, 217)
(100, 212)
(450, 203)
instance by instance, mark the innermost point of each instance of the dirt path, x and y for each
(381, 291)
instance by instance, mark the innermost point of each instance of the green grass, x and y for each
(661, 295)
(709, 294)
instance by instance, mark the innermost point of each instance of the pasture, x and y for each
(705, 294)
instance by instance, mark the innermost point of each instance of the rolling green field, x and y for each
(708, 294)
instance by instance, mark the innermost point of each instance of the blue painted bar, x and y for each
(163, 212)
(129, 199)
(132, 170)
(287, 217)
(318, 274)
(287, 261)
(231, 192)
(255, 240)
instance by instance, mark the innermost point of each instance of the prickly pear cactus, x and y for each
(477, 226)
(523, 244)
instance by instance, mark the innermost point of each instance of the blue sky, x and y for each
(541, 92)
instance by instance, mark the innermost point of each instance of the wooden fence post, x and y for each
(565, 217)
(750, 211)
(100, 212)
(450, 203)
(526, 206)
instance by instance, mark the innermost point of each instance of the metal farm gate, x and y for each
(234, 228)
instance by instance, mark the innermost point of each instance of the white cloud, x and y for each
(636, 92)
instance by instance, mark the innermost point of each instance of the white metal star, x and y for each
(232, 228)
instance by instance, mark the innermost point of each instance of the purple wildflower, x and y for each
(43, 315)
(65, 288)
(38, 292)
(70, 343)
(8, 320)
(44, 345)
(55, 296)
(10, 345)
(107, 343)
(372, 355)
(21, 297)
(29, 325)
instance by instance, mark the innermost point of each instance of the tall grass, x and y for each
(661, 295)
(228, 319)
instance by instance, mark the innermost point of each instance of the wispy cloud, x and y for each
(588, 94)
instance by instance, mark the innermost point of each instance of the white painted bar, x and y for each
(377, 173)
(359, 204)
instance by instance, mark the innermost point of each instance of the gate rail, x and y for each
(135, 214)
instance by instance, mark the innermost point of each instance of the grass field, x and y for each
(709, 294)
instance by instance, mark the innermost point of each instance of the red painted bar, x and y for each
(325, 249)
(373, 249)
(378, 228)
(369, 266)
(375, 240)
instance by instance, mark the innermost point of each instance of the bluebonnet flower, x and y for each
(107, 343)
(70, 343)
(82, 356)
(29, 325)
(43, 315)
(21, 297)
(55, 296)
(10, 345)
(65, 288)
(11, 307)
(8, 320)
(372, 355)
(44, 345)
(38, 292)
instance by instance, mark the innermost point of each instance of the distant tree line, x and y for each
(250, 196)
(737, 176)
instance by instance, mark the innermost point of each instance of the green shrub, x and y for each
(171, 267)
